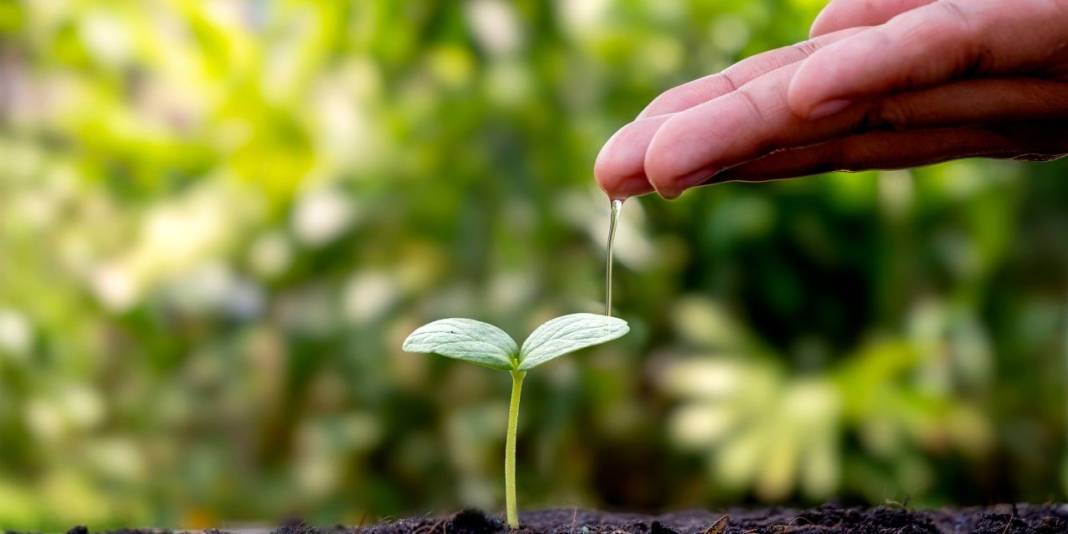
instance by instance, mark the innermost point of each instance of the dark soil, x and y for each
(1049, 519)
(1002, 519)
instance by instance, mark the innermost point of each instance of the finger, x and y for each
(969, 102)
(841, 14)
(756, 120)
(899, 150)
(743, 124)
(926, 46)
(704, 89)
(620, 166)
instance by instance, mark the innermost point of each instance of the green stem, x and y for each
(509, 449)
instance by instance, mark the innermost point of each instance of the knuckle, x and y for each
(956, 18)
(889, 114)
(728, 80)
(943, 21)
(758, 114)
(958, 21)
(954, 11)
(805, 48)
(752, 106)
(967, 29)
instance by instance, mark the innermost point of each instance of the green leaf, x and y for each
(567, 334)
(464, 339)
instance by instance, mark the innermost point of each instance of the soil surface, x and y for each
(1048, 519)
(1001, 519)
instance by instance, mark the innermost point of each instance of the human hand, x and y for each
(925, 82)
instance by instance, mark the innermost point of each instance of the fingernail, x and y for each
(828, 108)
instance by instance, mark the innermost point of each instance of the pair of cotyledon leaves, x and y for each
(487, 345)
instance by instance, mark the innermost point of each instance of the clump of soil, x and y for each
(1002, 519)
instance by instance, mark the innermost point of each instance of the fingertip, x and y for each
(622, 157)
(809, 90)
(668, 166)
(631, 187)
(605, 167)
(659, 162)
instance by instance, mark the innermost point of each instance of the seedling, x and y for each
(486, 345)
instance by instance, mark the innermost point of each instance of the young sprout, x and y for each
(489, 346)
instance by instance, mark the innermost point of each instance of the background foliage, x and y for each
(218, 220)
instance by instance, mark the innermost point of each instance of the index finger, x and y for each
(692, 93)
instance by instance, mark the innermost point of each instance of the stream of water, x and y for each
(613, 220)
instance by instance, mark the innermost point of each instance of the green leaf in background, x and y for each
(567, 334)
(465, 339)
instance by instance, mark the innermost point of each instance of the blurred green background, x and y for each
(219, 220)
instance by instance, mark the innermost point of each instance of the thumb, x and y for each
(926, 46)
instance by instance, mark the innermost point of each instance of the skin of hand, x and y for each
(881, 84)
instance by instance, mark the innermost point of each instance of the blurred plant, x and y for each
(486, 345)
(764, 429)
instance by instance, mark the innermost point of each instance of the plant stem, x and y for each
(509, 449)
